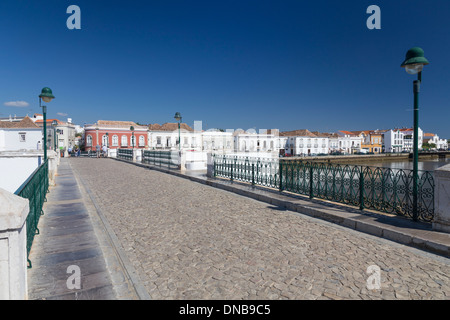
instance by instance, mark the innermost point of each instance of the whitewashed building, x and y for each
(441, 144)
(20, 152)
(253, 141)
(165, 137)
(305, 143)
(393, 140)
(408, 139)
(348, 142)
(216, 140)
(60, 134)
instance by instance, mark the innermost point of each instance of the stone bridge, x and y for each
(145, 234)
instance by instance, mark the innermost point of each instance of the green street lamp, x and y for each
(178, 118)
(54, 124)
(413, 64)
(47, 96)
(107, 140)
(132, 136)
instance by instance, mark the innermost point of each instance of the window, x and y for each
(22, 136)
(89, 141)
(124, 141)
(141, 141)
(105, 140)
(115, 140)
(158, 140)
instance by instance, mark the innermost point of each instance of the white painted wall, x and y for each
(15, 169)
(10, 139)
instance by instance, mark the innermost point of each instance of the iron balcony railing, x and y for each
(126, 154)
(380, 189)
(34, 189)
(169, 159)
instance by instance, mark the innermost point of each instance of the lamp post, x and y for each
(413, 64)
(178, 118)
(132, 136)
(54, 124)
(107, 139)
(47, 96)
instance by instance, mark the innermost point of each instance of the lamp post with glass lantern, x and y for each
(47, 96)
(54, 124)
(413, 64)
(178, 118)
(132, 136)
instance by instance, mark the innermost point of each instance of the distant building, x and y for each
(349, 142)
(305, 143)
(20, 151)
(371, 141)
(431, 138)
(333, 140)
(393, 140)
(253, 141)
(408, 139)
(60, 134)
(166, 136)
(115, 134)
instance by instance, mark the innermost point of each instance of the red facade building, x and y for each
(115, 135)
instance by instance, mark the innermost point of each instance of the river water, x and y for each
(428, 165)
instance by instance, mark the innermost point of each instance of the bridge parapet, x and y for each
(441, 220)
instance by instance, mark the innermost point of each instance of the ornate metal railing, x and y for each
(256, 171)
(126, 154)
(34, 189)
(380, 189)
(169, 159)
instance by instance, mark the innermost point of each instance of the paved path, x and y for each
(70, 236)
(191, 241)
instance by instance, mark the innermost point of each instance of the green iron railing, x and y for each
(126, 154)
(264, 172)
(380, 189)
(34, 189)
(169, 159)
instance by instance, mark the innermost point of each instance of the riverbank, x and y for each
(364, 158)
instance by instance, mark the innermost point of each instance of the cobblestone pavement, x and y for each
(191, 241)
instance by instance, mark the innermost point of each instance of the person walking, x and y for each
(105, 151)
(97, 148)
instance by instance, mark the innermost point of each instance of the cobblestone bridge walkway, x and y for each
(187, 240)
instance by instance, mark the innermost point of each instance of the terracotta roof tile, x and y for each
(118, 124)
(25, 123)
(325, 134)
(299, 133)
(169, 127)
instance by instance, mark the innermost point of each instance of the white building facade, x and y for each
(348, 142)
(408, 139)
(393, 141)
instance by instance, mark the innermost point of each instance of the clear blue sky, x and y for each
(232, 64)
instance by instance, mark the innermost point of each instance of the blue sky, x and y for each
(231, 64)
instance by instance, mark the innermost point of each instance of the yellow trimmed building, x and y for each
(371, 140)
